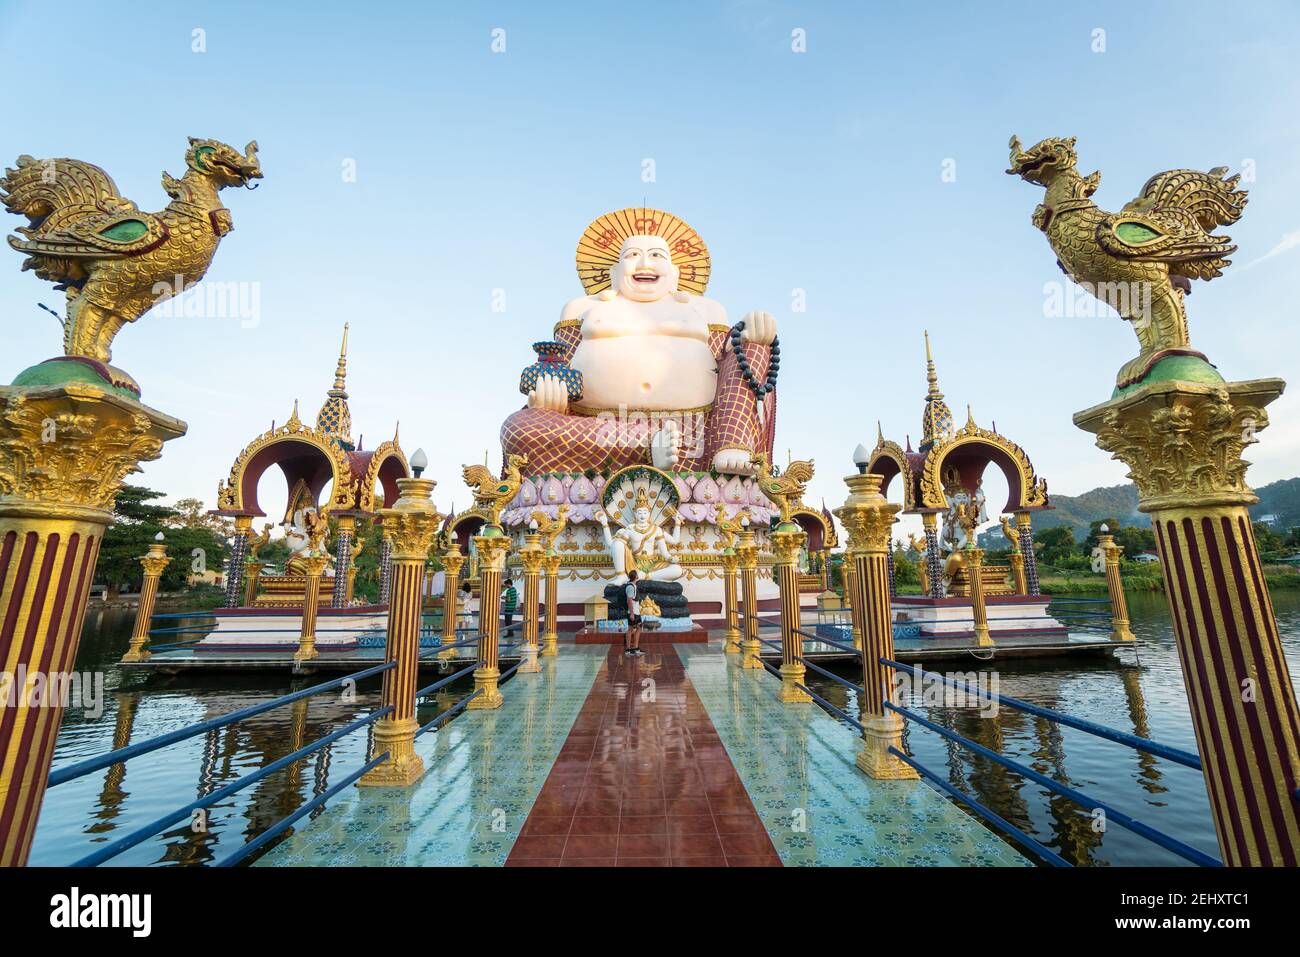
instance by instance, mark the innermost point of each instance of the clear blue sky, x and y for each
(822, 171)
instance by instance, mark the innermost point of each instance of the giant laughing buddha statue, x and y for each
(644, 369)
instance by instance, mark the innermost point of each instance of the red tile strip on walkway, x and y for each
(643, 783)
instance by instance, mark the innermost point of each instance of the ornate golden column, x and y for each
(1183, 441)
(731, 638)
(347, 526)
(747, 557)
(551, 638)
(531, 557)
(315, 565)
(826, 569)
(153, 562)
(64, 450)
(933, 558)
(411, 525)
(787, 539)
(869, 518)
(492, 547)
(851, 597)
(975, 566)
(1115, 585)
(1025, 539)
(239, 546)
(452, 560)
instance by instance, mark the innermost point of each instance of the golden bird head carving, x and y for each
(1043, 161)
(223, 164)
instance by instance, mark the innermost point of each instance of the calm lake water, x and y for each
(1140, 691)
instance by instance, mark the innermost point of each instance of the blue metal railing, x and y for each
(1145, 745)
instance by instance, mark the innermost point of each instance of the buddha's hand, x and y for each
(549, 393)
(602, 518)
(733, 462)
(760, 327)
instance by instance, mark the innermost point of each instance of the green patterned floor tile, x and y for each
(797, 764)
(484, 771)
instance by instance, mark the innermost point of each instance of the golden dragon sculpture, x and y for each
(1140, 260)
(729, 528)
(551, 528)
(493, 494)
(786, 489)
(113, 260)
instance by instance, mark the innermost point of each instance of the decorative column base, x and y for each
(485, 680)
(403, 767)
(792, 675)
(731, 641)
(531, 662)
(879, 734)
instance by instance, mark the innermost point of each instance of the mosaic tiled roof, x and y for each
(936, 421)
(334, 418)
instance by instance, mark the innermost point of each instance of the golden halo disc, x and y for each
(598, 248)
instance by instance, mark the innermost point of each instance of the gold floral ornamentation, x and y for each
(71, 446)
(894, 452)
(412, 523)
(1183, 447)
(370, 481)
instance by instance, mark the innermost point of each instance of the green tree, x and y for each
(135, 524)
(1055, 545)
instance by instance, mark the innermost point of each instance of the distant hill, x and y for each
(1280, 499)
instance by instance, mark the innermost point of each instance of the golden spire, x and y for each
(334, 418)
(936, 421)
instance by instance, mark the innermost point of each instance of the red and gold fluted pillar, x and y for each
(747, 557)
(869, 518)
(1183, 443)
(787, 539)
(492, 546)
(731, 639)
(153, 562)
(1119, 621)
(530, 557)
(411, 525)
(64, 450)
(551, 638)
(315, 565)
(452, 560)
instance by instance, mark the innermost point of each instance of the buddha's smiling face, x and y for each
(645, 270)
(642, 516)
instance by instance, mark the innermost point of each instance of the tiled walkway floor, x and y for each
(643, 780)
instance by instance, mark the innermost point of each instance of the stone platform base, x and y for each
(590, 636)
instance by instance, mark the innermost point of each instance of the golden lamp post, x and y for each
(747, 556)
(411, 525)
(550, 529)
(315, 565)
(728, 528)
(1111, 552)
(492, 546)
(531, 557)
(787, 539)
(153, 562)
(452, 560)
(869, 520)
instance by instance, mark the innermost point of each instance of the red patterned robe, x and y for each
(568, 442)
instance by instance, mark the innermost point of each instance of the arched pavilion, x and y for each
(312, 457)
(949, 459)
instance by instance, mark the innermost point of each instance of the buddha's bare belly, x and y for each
(653, 372)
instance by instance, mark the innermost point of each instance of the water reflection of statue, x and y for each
(643, 545)
(306, 536)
